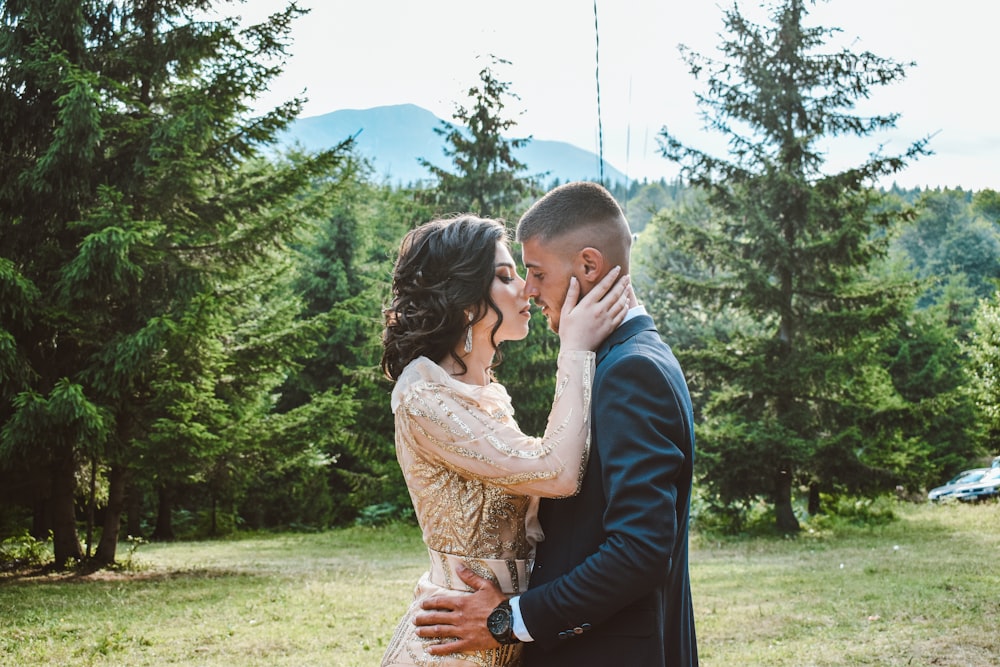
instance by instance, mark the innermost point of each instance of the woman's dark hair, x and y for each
(444, 269)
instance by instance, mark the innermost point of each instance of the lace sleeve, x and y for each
(479, 438)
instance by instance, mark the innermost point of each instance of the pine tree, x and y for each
(983, 369)
(487, 180)
(133, 209)
(343, 277)
(927, 366)
(799, 395)
(947, 237)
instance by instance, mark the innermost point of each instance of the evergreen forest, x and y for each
(190, 320)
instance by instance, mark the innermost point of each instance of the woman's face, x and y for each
(507, 292)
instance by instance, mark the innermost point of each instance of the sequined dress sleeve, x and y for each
(472, 431)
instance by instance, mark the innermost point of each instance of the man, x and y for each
(610, 584)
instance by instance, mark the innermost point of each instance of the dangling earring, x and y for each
(468, 336)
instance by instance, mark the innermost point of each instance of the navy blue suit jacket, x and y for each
(610, 584)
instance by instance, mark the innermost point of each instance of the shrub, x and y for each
(23, 550)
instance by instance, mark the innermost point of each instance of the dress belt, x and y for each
(511, 575)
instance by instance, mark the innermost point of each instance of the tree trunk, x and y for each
(108, 546)
(164, 525)
(814, 505)
(784, 515)
(65, 540)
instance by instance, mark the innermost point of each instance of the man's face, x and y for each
(547, 277)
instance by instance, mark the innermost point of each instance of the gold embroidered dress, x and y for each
(475, 479)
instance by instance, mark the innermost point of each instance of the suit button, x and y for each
(565, 634)
(577, 631)
(585, 626)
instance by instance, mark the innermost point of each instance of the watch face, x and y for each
(498, 622)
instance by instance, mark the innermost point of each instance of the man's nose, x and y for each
(523, 284)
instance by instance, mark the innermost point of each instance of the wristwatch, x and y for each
(500, 623)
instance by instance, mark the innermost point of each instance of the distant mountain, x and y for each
(395, 137)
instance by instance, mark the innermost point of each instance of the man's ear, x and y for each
(592, 267)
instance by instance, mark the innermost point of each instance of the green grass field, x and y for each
(922, 590)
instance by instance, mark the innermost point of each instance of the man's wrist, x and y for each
(520, 629)
(500, 624)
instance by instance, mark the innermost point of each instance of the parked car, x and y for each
(946, 490)
(988, 486)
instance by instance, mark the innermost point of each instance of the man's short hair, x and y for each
(582, 211)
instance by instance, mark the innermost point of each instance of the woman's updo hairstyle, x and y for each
(445, 269)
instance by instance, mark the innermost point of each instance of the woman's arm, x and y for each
(483, 441)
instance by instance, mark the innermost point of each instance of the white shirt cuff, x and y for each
(520, 630)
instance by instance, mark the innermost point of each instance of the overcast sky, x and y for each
(357, 54)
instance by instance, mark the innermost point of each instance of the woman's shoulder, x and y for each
(422, 374)
(418, 372)
(421, 369)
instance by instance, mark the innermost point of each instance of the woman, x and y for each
(473, 476)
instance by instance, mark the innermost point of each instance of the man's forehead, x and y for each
(535, 252)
